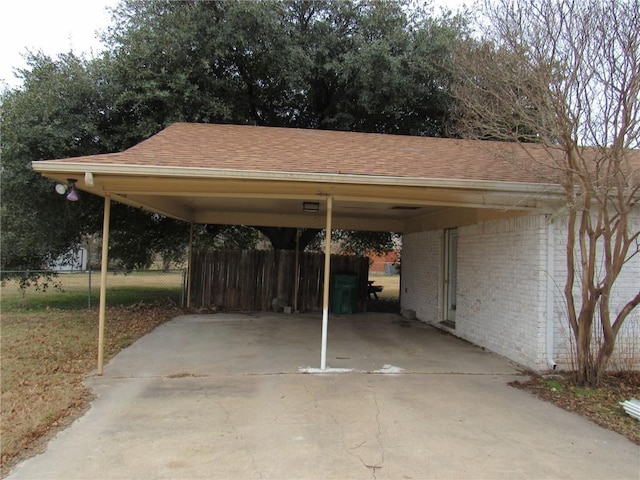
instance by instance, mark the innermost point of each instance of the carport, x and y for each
(280, 177)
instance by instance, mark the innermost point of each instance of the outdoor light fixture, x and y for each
(310, 206)
(72, 196)
(69, 189)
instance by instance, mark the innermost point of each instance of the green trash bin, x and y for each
(343, 293)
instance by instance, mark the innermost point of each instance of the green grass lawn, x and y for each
(71, 291)
(390, 284)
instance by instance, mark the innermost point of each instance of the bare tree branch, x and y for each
(562, 81)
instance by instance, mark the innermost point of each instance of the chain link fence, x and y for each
(73, 289)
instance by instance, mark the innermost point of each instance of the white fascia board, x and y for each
(51, 166)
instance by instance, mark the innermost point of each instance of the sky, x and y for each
(60, 26)
(53, 26)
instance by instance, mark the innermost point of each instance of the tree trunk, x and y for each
(583, 354)
(600, 366)
(283, 238)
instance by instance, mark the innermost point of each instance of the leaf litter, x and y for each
(600, 405)
(46, 356)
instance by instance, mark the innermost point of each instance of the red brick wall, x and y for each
(377, 263)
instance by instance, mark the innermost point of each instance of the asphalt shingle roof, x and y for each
(270, 149)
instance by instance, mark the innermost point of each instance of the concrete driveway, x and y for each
(224, 396)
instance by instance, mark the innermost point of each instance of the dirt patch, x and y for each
(600, 405)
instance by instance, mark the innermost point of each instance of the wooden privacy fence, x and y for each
(250, 280)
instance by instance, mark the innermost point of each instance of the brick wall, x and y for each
(384, 264)
(501, 288)
(503, 280)
(421, 273)
(500, 302)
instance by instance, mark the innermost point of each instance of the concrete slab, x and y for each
(222, 396)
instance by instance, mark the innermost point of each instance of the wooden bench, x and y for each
(374, 289)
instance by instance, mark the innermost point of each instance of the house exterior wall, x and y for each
(72, 261)
(506, 289)
(421, 274)
(627, 352)
(384, 264)
(501, 285)
(501, 288)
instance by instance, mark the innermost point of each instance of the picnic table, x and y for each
(374, 289)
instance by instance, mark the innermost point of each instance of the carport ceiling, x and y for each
(229, 174)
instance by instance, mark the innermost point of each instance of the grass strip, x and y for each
(45, 357)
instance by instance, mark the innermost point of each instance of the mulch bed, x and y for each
(600, 405)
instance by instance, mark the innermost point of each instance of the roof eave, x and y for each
(70, 167)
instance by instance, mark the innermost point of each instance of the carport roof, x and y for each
(210, 173)
(290, 150)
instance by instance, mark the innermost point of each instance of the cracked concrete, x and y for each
(378, 434)
(222, 397)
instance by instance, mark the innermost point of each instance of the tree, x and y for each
(226, 237)
(289, 238)
(366, 243)
(62, 110)
(565, 76)
(355, 65)
(48, 118)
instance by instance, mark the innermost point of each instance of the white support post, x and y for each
(189, 266)
(296, 279)
(327, 279)
(103, 281)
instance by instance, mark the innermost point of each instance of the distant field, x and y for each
(391, 284)
(71, 291)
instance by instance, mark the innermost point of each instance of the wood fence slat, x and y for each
(251, 280)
